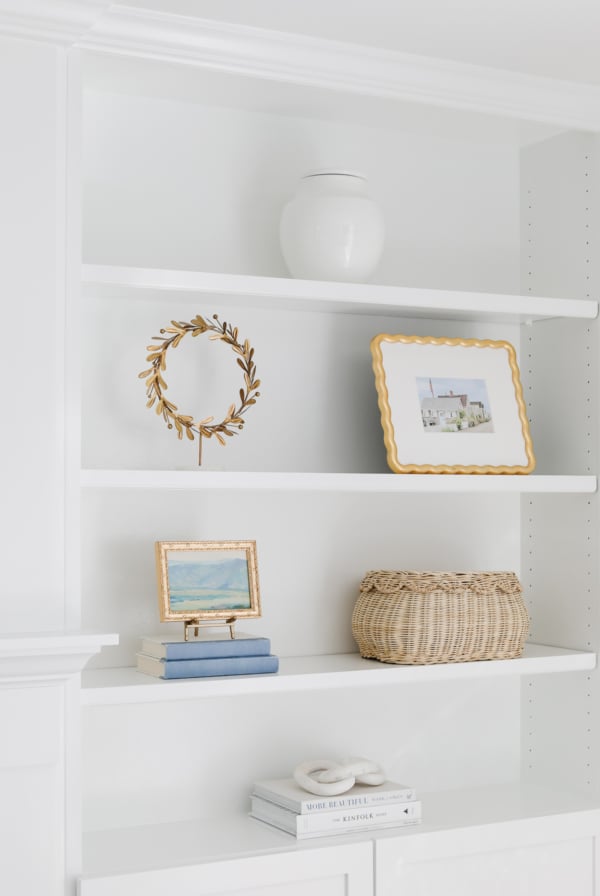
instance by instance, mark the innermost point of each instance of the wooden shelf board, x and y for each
(279, 293)
(479, 812)
(338, 482)
(126, 685)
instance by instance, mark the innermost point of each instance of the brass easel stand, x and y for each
(197, 624)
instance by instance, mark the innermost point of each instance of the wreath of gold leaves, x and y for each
(156, 386)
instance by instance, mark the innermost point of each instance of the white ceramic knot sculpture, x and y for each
(326, 777)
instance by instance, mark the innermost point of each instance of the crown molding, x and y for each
(61, 22)
(338, 66)
(314, 62)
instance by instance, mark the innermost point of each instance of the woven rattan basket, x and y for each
(440, 617)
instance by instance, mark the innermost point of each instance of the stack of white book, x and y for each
(285, 805)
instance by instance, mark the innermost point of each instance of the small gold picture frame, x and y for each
(451, 405)
(207, 582)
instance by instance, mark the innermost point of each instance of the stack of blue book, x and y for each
(206, 656)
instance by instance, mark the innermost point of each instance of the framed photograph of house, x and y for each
(451, 405)
(207, 581)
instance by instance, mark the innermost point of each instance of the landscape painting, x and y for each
(454, 405)
(204, 579)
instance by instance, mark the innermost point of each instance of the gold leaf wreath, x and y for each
(156, 385)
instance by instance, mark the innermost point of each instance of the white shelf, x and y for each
(192, 843)
(277, 293)
(339, 482)
(117, 686)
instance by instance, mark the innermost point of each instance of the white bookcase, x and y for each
(177, 142)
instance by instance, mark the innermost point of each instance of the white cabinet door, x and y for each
(507, 867)
(328, 871)
(32, 787)
(556, 868)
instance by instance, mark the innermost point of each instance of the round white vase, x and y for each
(332, 229)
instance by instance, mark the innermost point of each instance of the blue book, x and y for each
(207, 668)
(205, 646)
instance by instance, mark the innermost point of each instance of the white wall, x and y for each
(559, 224)
(34, 780)
(32, 258)
(201, 188)
(183, 185)
(166, 762)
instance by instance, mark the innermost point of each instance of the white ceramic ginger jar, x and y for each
(332, 229)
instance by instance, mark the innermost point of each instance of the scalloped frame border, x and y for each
(386, 412)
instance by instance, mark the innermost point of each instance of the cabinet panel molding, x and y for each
(345, 869)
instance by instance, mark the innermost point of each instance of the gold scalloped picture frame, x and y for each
(451, 405)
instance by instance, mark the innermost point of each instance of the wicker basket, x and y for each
(440, 617)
